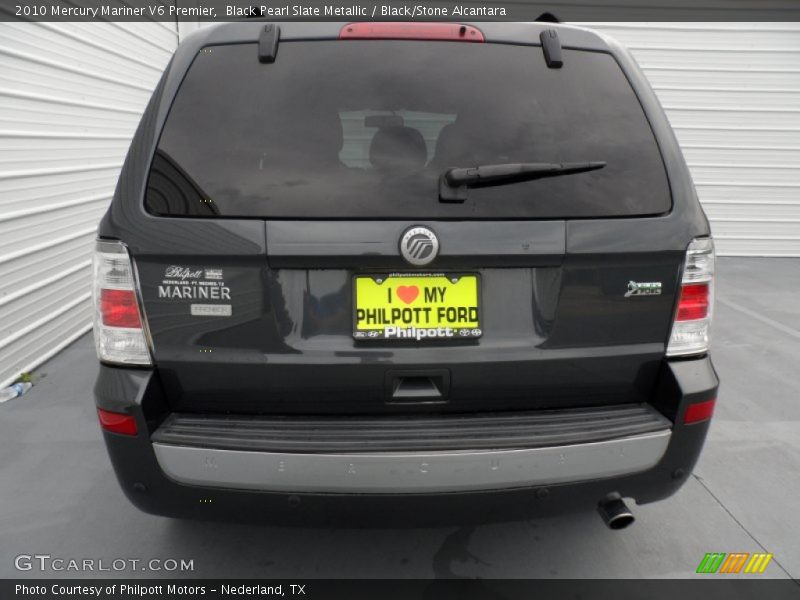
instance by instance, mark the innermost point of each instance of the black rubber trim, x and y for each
(398, 434)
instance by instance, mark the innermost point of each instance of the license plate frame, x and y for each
(413, 332)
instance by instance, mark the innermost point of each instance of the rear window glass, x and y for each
(364, 129)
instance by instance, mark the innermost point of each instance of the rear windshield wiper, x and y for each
(453, 183)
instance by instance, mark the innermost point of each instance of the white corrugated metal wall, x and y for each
(71, 95)
(732, 94)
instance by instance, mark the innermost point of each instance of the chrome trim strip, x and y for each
(410, 472)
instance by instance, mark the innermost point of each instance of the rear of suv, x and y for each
(424, 265)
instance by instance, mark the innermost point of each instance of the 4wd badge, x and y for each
(651, 288)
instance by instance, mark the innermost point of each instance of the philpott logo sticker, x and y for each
(191, 283)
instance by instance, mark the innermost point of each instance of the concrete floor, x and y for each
(58, 495)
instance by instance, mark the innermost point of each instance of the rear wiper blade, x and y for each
(454, 182)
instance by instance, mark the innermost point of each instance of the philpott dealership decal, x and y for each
(191, 283)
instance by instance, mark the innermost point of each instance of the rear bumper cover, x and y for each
(184, 481)
(410, 472)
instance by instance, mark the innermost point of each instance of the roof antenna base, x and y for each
(547, 17)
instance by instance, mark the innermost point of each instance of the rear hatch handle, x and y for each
(464, 245)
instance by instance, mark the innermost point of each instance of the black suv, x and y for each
(438, 265)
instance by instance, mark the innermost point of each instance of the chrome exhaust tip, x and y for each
(614, 512)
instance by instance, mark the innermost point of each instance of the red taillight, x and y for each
(701, 411)
(694, 302)
(117, 422)
(119, 308)
(453, 32)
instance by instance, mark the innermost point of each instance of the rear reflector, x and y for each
(693, 303)
(117, 422)
(119, 308)
(701, 411)
(452, 32)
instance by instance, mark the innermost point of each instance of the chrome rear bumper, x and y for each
(410, 472)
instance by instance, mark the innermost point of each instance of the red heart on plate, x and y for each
(407, 293)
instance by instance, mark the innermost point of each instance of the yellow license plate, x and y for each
(416, 307)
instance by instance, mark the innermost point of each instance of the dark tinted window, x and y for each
(363, 129)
